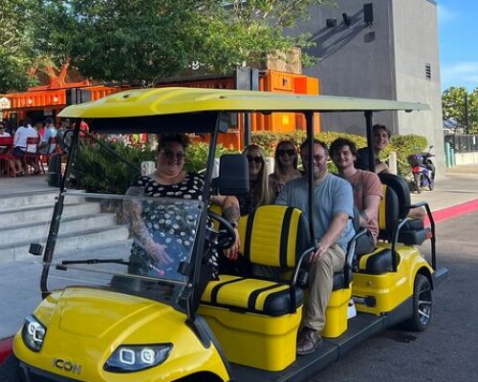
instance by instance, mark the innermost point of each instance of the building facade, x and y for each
(385, 49)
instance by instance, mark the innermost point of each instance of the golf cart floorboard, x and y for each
(360, 328)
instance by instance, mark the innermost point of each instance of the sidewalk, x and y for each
(454, 195)
(28, 183)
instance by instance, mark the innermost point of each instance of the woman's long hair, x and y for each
(265, 191)
(278, 167)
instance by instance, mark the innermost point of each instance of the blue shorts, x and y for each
(18, 152)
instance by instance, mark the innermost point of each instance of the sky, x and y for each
(458, 40)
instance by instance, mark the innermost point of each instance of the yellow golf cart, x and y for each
(102, 320)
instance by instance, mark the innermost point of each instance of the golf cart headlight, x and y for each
(33, 333)
(130, 358)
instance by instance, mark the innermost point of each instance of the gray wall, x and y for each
(416, 44)
(385, 60)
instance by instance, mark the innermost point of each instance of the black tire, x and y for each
(10, 370)
(422, 305)
(417, 179)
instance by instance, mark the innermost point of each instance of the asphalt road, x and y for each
(448, 349)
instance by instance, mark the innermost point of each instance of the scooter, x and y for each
(423, 170)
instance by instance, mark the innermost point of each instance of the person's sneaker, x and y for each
(351, 310)
(308, 341)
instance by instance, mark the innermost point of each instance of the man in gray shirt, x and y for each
(333, 210)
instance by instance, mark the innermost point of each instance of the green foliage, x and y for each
(16, 53)
(405, 145)
(453, 103)
(142, 41)
(97, 170)
(197, 154)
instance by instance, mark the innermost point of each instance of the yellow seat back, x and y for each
(274, 235)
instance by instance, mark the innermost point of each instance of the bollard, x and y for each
(392, 163)
(447, 155)
(452, 156)
(54, 170)
(147, 168)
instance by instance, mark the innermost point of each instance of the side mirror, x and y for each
(233, 176)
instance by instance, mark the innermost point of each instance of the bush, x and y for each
(405, 145)
(196, 155)
(99, 171)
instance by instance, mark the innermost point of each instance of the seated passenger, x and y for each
(333, 230)
(381, 139)
(367, 190)
(259, 191)
(382, 136)
(285, 166)
(158, 234)
(49, 132)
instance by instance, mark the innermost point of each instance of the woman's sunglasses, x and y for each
(251, 159)
(171, 155)
(289, 152)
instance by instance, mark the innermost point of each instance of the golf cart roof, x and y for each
(165, 109)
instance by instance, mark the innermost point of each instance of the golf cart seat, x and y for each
(273, 237)
(413, 232)
(380, 260)
(263, 313)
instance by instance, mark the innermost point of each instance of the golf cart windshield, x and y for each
(130, 243)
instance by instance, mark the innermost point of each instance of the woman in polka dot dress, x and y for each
(164, 235)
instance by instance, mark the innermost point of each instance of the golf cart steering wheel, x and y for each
(226, 235)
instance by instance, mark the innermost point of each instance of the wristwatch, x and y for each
(234, 225)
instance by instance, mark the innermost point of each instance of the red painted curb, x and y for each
(454, 211)
(5, 348)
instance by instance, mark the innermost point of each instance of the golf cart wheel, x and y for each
(417, 179)
(422, 305)
(10, 370)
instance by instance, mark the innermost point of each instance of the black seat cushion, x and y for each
(414, 237)
(414, 224)
(339, 280)
(401, 188)
(377, 262)
(251, 295)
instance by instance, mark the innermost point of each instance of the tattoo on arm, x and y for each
(232, 213)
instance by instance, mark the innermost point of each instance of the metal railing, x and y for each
(462, 143)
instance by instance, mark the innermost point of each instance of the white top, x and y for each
(21, 136)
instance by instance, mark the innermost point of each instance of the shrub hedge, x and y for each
(97, 170)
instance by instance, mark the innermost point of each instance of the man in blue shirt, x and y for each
(333, 210)
(50, 132)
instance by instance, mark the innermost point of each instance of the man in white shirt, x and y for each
(20, 145)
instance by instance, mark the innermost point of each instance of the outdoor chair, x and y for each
(6, 156)
(32, 155)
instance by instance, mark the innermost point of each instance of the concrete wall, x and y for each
(355, 60)
(466, 158)
(416, 45)
(384, 60)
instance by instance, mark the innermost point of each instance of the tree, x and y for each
(16, 53)
(142, 41)
(453, 102)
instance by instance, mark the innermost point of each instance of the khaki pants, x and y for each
(321, 278)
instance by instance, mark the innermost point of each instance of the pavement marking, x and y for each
(454, 211)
